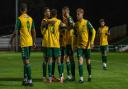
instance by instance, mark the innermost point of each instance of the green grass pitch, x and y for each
(116, 77)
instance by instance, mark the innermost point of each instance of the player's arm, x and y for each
(33, 34)
(108, 31)
(92, 33)
(43, 25)
(98, 32)
(62, 27)
(18, 26)
(75, 30)
(50, 21)
(71, 22)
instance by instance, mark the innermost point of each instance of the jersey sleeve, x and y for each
(18, 24)
(93, 36)
(62, 27)
(108, 29)
(92, 32)
(70, 21)
(33, 25)
(43, 27)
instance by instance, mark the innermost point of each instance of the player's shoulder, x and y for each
(107, 27)
(53, 19)
(25, 16)
(30, 17)
(58, 20)
(86, 21)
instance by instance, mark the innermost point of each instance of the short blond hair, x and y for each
(80, 10)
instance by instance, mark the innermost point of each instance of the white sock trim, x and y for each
(81, 78)
(29, 81)
(104, 65)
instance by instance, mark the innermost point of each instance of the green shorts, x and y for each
(44, 50)
(63, 51)
(84, 53)
(69, 50)
(26, 53)
(103, 48)
(51, 52)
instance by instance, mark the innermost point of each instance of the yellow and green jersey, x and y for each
(85, 34)
(25, 24)
(103, 31)
(52, 34)
(69, 32)
(63, 38)
(44, 32)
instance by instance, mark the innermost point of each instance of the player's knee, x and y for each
(58, 60)
(50, 60)
(88, 61)
(105, 53)
(80, 60)
(67, 59)
(26, 61)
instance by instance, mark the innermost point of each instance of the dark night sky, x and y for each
(114, 11)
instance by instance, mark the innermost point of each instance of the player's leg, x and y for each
(88, 62)
(63, 53)
(57, 54)
(72, 64)
(104, 56)
(44, 65)
(80, 63)
(68, 64)
(53, 69)
(49, 54)
(27, 68)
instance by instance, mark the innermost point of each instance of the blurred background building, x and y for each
(113, 11)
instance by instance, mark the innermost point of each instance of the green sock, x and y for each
(89, 69)
(73, 68)
(28, 67)
(53, 67)
(62, 65)
(44, 65)
(50, 69)
(60, 70)
(68, 68)
(81, 70)
(25, 72)
(104, 59)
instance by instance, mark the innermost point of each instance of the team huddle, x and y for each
(60, 40)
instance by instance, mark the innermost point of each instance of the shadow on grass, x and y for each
(19, 79)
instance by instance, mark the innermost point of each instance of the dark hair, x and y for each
(44, 9)
(53, 12)
(23, 7)
(101, 20)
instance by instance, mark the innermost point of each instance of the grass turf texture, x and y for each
(116, 77)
